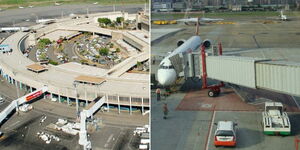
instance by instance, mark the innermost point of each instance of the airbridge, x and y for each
(258, 73)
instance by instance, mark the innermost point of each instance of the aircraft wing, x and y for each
(201, 19)
(187, 20)
(211, 19)
(159, 54)
(280, 19)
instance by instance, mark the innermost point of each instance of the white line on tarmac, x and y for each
(210, 129)
(295, 102)
(110, 138)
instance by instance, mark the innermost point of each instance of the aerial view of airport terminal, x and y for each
(74, 74)
(225, 74)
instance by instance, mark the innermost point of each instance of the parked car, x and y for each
(1, 100)
(225, 134)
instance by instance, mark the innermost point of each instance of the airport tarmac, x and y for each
(194, 129)
(192, 113)
(18, 16)
(242, 35)
(115, 131)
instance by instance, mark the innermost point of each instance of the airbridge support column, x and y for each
(9, 79)
(68, 99)
(107, 104)
(130, 105)
(21, 86)
(59, 99)
(85, 96)
(119, 104)
(142, 105)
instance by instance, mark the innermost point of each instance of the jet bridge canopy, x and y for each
(36, 68)
(89, 79)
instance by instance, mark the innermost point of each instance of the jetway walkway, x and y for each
(84, 114)
(24, 99)
(257, 73)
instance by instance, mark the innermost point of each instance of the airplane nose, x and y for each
(162, 80)
(166, 77)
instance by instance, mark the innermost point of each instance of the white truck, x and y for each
(275, 120)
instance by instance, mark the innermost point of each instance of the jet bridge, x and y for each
(84, 114)
(257, 73)
(24, 99)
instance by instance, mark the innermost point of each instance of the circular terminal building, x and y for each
(83, 60)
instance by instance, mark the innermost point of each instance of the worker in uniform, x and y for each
(157, 94)
(165, 110)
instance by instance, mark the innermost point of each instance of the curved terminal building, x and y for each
(70, 81)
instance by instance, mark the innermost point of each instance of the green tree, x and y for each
(41, 45)
(118, 50)
(119, 19)
(104, 21)
(111, 45)
(104, 51)
(83, 61)
(138, 63)
(97, 56)
(46, 41)
(43, 56)
(53, 62)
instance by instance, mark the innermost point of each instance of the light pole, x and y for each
(76, 96)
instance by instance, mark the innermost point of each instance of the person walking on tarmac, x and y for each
(165, 110)
(157, 94)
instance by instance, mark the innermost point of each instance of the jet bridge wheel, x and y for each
(214, 92)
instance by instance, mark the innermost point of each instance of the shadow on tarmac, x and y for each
(295, 121)
(248, 137)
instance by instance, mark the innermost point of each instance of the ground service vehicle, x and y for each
(225, 134)
(275, 120)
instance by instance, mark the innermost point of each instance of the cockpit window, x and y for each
(166, 67)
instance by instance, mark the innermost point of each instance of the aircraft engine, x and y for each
(206, 43)
(180, 42)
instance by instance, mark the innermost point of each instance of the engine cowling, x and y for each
(180, 42)
(206, 43)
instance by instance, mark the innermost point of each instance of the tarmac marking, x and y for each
(210, 130)
(268, 28)
(15, 123)
(108, 140)
(295, 102)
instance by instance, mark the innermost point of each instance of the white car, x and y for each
(225, 134)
